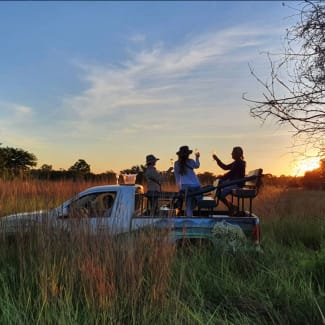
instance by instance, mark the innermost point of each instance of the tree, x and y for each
(14, 161)
(311, 180)
(46, 168)
(206, 178)
(322, 172)
(297, 97)
(80, 167)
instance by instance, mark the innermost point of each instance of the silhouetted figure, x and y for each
(108, 202)
(236, 170)
(154, 180)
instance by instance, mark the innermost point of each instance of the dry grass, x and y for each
(275, 202)
(19, 196)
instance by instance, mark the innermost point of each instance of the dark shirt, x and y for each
(236, 170)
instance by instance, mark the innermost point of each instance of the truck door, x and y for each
(93, 210)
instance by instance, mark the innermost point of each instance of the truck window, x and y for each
(105, 204)
(138, 204)
(93, 205)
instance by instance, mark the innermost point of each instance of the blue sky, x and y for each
(111, 82)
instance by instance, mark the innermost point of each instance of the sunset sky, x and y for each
(110, 82)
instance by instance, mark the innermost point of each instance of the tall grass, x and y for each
(19, 195)
(51, 277)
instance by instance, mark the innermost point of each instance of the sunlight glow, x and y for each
(304, 165)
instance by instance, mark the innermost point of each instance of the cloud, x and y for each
(15, 120)
(137, 38)
(170, 82)
(198, 51)
(22, 110)
(15, 110)
(152, 91)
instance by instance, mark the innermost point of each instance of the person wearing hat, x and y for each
(236, 170)
(154, 180)
(185, 177)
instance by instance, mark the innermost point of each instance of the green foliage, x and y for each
(46, 168)
(80, 167)
(314, 266)
(309, 233)
(14, 161)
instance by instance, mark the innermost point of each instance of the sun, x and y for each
(305, 165)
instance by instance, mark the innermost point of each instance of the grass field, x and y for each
(51, 278)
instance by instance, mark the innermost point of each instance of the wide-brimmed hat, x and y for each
(184, 151)
(151, 159)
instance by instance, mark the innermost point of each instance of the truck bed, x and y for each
(203, 226)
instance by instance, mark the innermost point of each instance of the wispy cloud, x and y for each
(166, 83)
(16, 117)
(15, 110)
(137, 38)
(22, 110)
(163, 77)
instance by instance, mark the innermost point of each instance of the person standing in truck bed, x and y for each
(185, 177)
(154, 180)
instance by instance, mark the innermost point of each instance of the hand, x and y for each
(170, 169)
(196, 152)
(214, 157)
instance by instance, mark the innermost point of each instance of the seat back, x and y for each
(210, 202)
(215, 190)
(256, 181)
(214, 193)
(249, 191)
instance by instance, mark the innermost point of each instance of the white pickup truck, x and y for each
(128, 212)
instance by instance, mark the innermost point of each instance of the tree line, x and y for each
(19, 163)
(312, 180)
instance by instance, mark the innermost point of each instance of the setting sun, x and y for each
(304, 165)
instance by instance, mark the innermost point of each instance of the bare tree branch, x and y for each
(299, 99)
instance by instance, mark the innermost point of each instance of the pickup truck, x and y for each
(128, 213)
